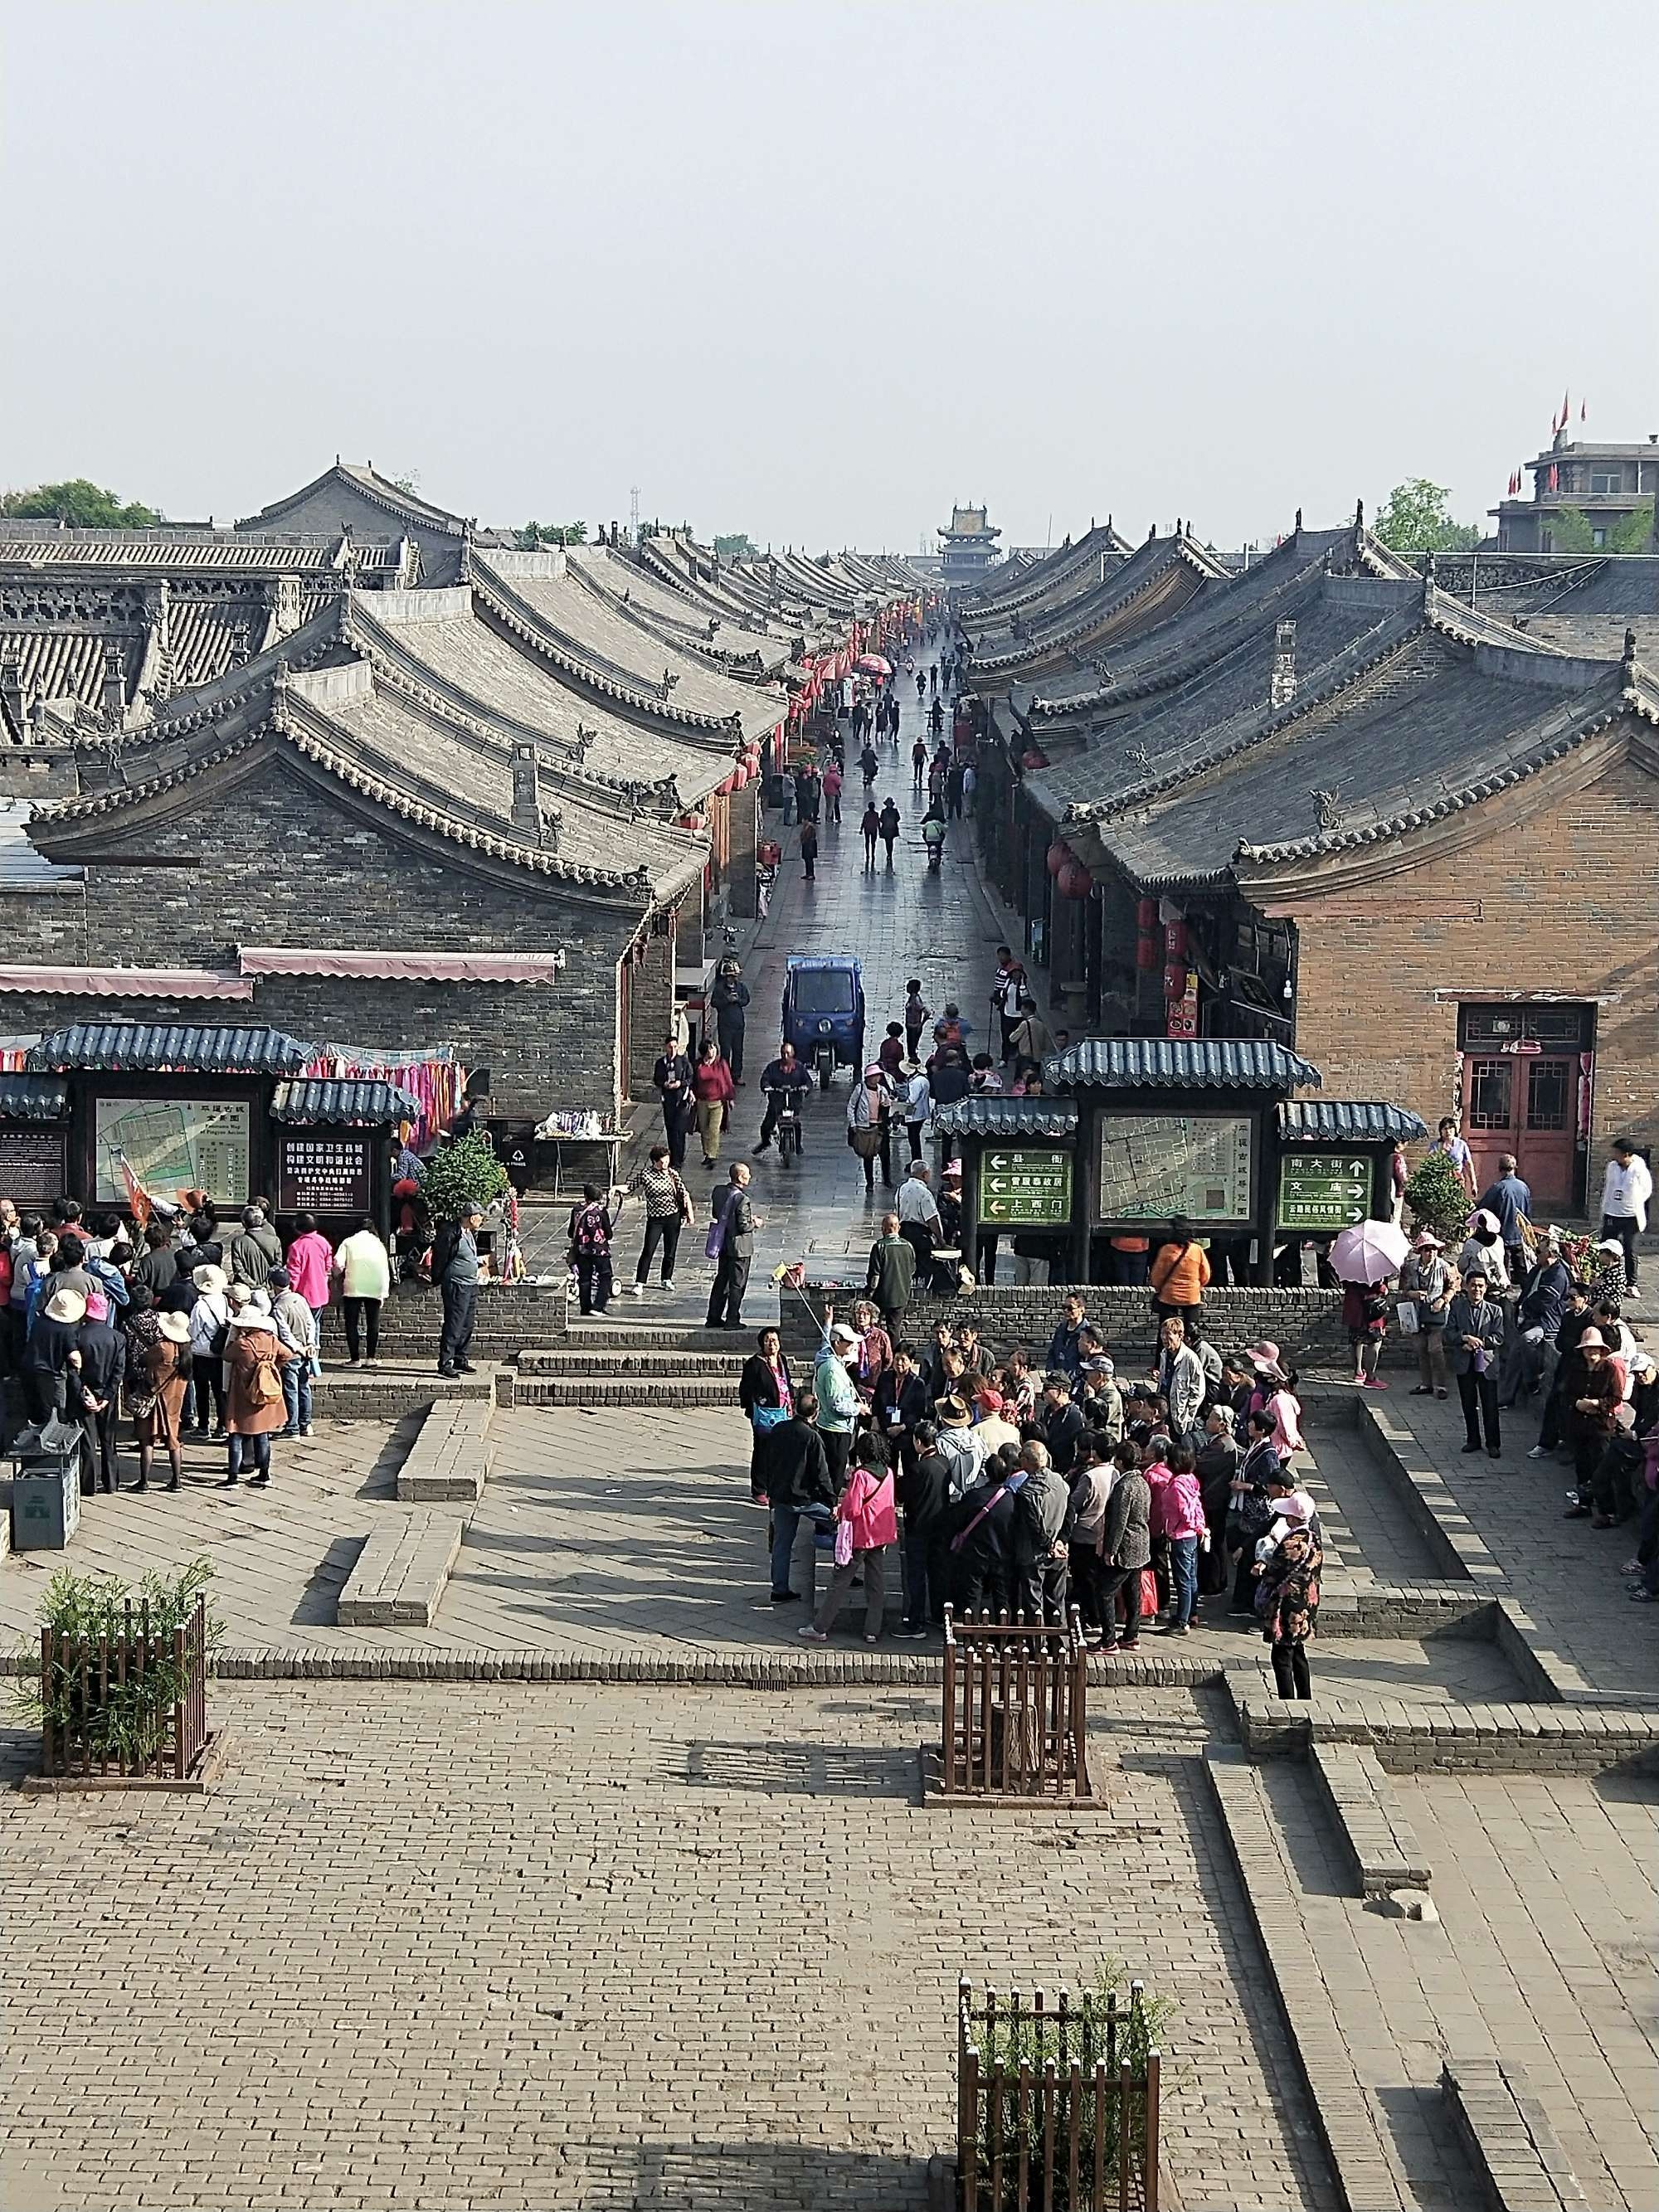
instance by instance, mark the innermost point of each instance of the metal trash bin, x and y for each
(46, 1490)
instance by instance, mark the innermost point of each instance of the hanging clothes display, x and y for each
(434, 1077)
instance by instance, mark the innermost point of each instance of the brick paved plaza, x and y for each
(591, 1942)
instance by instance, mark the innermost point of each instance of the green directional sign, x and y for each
(1323, 1190)
(1024, 1189)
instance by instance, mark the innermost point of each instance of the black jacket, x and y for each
(1063, 1425)
(793, 1465)
(103, 1361)
(673, 1069)
(758, 1386)
(924, 1494)
(906, 1402)
(49, 1346)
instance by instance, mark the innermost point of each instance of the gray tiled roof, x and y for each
(1006, 1117)
(147, 1046)
(33, 1098)
(1431, 727)
(1348, 1120)
(342, 1104)
(1178, 1064)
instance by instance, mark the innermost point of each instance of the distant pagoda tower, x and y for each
(969, 546)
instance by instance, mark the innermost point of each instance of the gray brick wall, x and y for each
(284, 868)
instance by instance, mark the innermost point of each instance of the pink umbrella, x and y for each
(1369, 1251)
(871, 664)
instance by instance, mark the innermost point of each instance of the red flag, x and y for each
(1566, 407)
(1583, 410)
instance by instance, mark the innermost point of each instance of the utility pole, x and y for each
(634, 511)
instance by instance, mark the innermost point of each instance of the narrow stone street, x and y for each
(898, 924)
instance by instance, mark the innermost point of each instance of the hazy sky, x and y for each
(817, 271)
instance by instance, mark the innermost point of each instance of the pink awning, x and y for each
(402, 967)
(130, 983)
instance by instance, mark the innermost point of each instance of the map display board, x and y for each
(1153, 1166)
(1020, 1187)
(172, 1145)
(34, 1165)
(1323, 1190)
(323, 1174)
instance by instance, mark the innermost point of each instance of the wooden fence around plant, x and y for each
(128, 1701)
(1057, 2109)
(1015, 1709)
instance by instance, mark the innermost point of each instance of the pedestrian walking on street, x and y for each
(889, 828)
(714, 1089)
(795, 1476)
(836, 1396)
(1426, 1284)
(730, 997)
(592, 1224)
(309, 1262)
(917, 1013)
(918, 764)
(833, 781)
(365, 1273)
(1474, 1330)
(809, 847)
(870, 825)
(730, 1246)
(667, 1210)
(297, 1325)
(891, 1273)
(672, 1077)
(255, 1406)
(1626, 1186)
(158, 1361)
(868, 1517)
(455, 1271)
(767, 1396)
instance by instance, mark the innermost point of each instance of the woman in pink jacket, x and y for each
(867, 1512)
(1180, 1505)
(310, 1256)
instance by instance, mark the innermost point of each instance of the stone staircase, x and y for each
(646, 1365)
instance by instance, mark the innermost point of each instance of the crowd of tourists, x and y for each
(1022, 1485)
(196, 1327)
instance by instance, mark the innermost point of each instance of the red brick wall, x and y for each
(1567, 900)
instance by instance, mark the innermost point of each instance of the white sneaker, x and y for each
(1539, 1452)
(636, 1290)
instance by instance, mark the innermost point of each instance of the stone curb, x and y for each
(1447, 1738)
(1380, 1842)
(1344, 2113)
(1503, 2127)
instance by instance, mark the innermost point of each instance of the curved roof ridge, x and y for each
(1168, 554)
(408, 505)
(1557, 734)
(576, 661)
(1340, 673)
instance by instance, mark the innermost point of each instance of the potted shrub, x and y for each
(116, 1676)
(465, 1173)
(1438, 1200)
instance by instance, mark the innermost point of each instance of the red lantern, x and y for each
(1075, 882)
(1147, 914)
(1034, 759)
(1145, 954)
(1174, 980)
(1175, 941)
(1058, 854)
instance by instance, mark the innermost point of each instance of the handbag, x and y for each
(1406, 1314)
(714, 1243)
(762, 1418)
(844, 1543)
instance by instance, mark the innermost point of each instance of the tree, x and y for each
(80, 504)
(1573, 530)
(1416, 520)
(740, 546)
(465, 1172)
(550, 534)
(1435, 1195)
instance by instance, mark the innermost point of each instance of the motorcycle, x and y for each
(788, 1131)
(935, 855)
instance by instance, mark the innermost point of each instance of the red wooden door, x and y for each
(1525, 1103)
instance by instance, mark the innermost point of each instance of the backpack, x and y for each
(265, 1381)
(592, 1240)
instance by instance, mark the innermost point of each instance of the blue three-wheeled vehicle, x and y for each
(824, 1013)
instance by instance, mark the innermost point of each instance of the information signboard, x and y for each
(331, 1174)
(1153, 1166)
(1022, 1188)
(1323, 1190)
(34, 1165)
(172, 1145)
